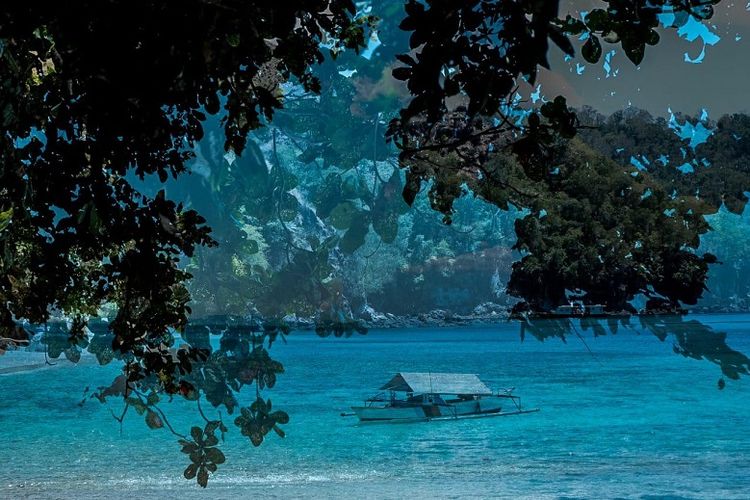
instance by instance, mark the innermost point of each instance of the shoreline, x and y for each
(445, 319)
(27, 361)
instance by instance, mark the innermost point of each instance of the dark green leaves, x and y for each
(5, 218)
(387, 208)
(411, 188)
(592, 49)
(233, 39)
(343, 215)
(260, 368)
(401, 73)
(355, 235)
(212, 104)
(598, 20)
(635, 51)
(561, 118)
(386, 226)
(203, 453)
(338, 326)
(153, 420)
(561, 40)
(572, 25)
(257, 420)
(361, 208)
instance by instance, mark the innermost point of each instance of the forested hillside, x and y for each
(302, 224)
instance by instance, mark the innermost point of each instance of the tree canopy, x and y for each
(96, 96)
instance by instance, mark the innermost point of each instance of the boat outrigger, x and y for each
(437, 396)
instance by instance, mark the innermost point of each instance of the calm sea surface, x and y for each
(631, 420)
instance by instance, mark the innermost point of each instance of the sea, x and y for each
(621, 416)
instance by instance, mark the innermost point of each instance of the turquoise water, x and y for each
(633, 420)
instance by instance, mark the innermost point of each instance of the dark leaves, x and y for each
(562, 41)
(355, 235)
(635, 50)
(598, 20)
(202, 451)
(153, 420)
(343, 215)
(411, 189)
(257, 420)
(401, 73)
(338, 326)
(592, 49)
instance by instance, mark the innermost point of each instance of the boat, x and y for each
(576, 309)
(413, 397)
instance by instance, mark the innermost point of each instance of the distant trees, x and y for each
(710, 174)
(635, 235)
(728, 286)
(607, 233)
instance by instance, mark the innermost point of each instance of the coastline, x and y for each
(18, 361)
(440, 318)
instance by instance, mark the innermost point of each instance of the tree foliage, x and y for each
(462, 130)
(94, 91)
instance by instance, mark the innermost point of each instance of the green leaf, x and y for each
(203, 477)
(212, 103)
(401, 73)
(597, 20)
(256, 438)
(190, 471)
(211, 440)
(280, 417)
(355, 236)
(215, 455)
(233, 39)
(561, 40)
(137, 404)
(635, 51)
(197, 434)
(95, 221)
(188, 447)
(152, 399)
(153, 420)
(411, 189)
(573, 26)
(73, 354)
(592, 49)
(386, 226)
(5, 218)
(342, 215)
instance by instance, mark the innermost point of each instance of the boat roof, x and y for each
(436, 383)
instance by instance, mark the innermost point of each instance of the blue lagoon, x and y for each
(629, 419)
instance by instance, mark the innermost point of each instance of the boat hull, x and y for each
(380, 413)
(427, 411)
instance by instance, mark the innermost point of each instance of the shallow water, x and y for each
(631, 420)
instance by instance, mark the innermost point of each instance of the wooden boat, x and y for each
(437, 396)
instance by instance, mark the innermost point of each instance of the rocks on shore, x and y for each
(483, 314)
